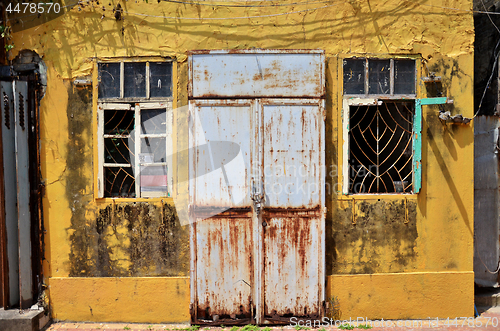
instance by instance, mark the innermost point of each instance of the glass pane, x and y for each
(135, 79)
(153, 121)
(154, 179)
(153, 150)
(118, 150)
(160, 79)
(119, 182)
(404, 76)
(119, 122)
(354, 76)
(109, 80)
(379, 76)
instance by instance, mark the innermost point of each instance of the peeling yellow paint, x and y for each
(443, 220)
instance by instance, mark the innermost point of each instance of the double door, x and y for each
(257, 210)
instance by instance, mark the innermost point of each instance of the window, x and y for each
(384, 77)
(380, 126)
(134, 129)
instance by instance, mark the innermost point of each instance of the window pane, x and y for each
(119, 150)
(118, 122)
(379, 76)
(153, 121)
(380, 148)
(154, 179)
(135, 80)
(119, 182)
(109, 80)
(160, 79)
(354, 76)
(404, 76)
(153, 150)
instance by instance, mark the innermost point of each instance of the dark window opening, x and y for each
(380, 148)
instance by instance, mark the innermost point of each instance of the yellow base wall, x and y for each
(111, 299)
(402, 295)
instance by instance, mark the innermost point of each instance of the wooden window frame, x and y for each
(135, 104)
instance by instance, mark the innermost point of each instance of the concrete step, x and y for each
(23, 320)
(487, 297)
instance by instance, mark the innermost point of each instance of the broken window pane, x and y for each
(354, 76)
(380, 148)
(404, 76)
(109, 80)
(153, 121)
(119, 150)
(118, 122)
(119, 182)
(135, 79)
(153, 150)
(379, 76)
(160, 79)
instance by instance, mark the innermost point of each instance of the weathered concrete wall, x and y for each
(89, 237)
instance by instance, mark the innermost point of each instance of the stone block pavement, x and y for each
(489, 320)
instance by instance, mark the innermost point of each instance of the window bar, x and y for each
(378, 151)
(391, 83)
(147, 81)
(137, 170)
(367, 83)
(122, 79)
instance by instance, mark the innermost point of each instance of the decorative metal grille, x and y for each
(380, 148)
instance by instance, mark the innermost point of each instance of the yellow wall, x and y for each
(442, 213)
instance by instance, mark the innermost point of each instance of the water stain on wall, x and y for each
(380, 237)
(122, 239)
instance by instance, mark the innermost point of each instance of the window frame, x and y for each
(135, 104)
(366, 99)
(391, 95)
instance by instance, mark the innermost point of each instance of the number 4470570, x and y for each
(33, 8)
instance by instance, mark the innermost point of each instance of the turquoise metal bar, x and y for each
(417, 147)
(417, 138)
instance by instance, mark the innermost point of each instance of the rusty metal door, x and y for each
(222, 231)
(292, 218)
(256, 188)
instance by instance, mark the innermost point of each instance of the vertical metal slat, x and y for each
(9, 166)
(23, 194)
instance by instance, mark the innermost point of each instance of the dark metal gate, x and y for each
(20, 204)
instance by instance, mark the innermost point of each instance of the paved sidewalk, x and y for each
(487, 321)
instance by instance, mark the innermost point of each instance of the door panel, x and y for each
(222, 234)
(9, 165)
(291, 269)
(221, 142)
(225, 268)
(292, 216)
(23, 193)
(292, 155)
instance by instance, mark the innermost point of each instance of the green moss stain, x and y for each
(83, 235)
(380, 237)
(122, 239)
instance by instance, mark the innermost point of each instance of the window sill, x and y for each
(168, 200)
(379, 196)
